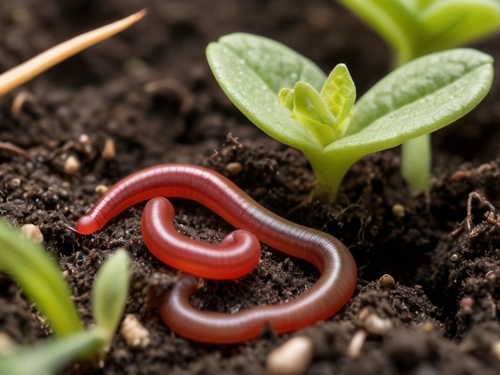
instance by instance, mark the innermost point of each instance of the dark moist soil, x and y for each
(445, 304)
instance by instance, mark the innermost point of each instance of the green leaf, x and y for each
(40, 278)
(109, 292)
(418, 27)
(339, 93)
(449, 23)
(285, 97)
(310, 110)
(416, 99)
(50, 355)
(252, 70)
(395, 20)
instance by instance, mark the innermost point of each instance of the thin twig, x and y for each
(10, 147)
(31, 68)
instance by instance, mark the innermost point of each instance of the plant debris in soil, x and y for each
(150, 93)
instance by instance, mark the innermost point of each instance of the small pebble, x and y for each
(101, 189)
(427, 327)
(483, 168)
(466, 305)
(137, 286)
(376, 325)
(71, 166)
(15, 182)
(490, 276)
(234, 168)
(291, 358)
(386, 281)
(461, 175)
(84, 139)
(108, 152)
(133, 332)
(495, 350)
(356, 344)
(398, 211)
(7, 344)
(32, 233)
(86, 143)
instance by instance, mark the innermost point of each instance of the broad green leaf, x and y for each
(109, 292)
(252, 70)
(418, 27)
(416, 99)
(50, 355)
(395, 20)
(40, 278)
(449, 23)
(339, 94)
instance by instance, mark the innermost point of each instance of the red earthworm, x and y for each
(237, 255)
(334, 261)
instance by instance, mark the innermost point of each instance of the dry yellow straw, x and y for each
(31, 68)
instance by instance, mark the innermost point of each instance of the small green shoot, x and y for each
(415, 28)
(110, 292)
(50, 355)
(42, 281)
(317, 116)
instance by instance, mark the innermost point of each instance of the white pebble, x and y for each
(376, 325)
(133, 332)
(32, 232)
(71, 166)
(291, 358)
(495, 350)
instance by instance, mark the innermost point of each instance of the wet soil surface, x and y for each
(442, 249)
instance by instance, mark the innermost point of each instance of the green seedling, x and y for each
(290, 98)
(415, 28)
(42, 282)
(48, 356)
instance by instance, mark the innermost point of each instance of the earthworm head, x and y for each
(87, 225)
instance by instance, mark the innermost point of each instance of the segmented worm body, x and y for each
(334, 261)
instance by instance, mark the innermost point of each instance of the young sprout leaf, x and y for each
(285, 97)
(339, 94)
(310, 110)
(109, 292)
(40, 278)
(49, 356)
(416, 99)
